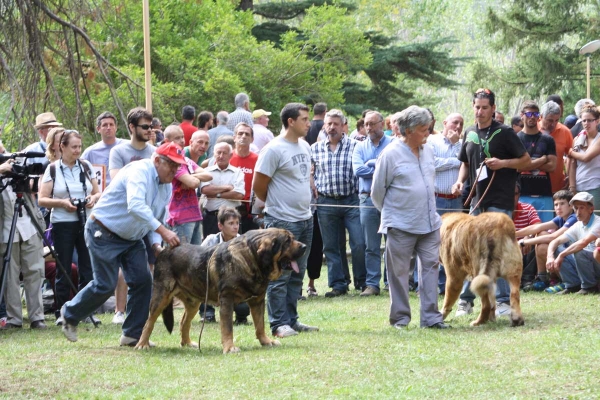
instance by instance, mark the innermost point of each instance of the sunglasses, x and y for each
(486, 91)
(145, 126)
(530, 114)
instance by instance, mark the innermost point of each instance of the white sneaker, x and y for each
(132, 342)
(70, 331)
(502, 310)
(464, 308)
(285, 331)
(119, 318)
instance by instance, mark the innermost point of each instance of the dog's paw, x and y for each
(142, 346)
(193, 345)
(517, 322)
(477, 322)
(271, 343)
(232, 349)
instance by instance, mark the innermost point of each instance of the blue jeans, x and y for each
(330, 221)
(283, 293)
(108, 252)
(502, 287)
(370, 219)
(568, 269)
(588, 269)
(189, 232)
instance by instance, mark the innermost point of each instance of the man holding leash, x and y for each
(133, 206)
(491, 154)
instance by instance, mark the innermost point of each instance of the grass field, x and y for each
(355, 355)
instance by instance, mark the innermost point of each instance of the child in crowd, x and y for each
(546, 232)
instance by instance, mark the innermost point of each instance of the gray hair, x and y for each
(241, 99)
(335, 113)
(376, 113)
(580, 104)
(412, 117)
(222, 144)
(222, 117)
(394, 120)
(550, 108)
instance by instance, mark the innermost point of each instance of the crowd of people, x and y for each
(207, 178)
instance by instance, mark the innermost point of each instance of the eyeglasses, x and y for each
(373, 123)
(145, 126)
(530, 114)
(588, 121)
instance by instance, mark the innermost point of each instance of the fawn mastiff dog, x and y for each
(481, 248)
(238, 271)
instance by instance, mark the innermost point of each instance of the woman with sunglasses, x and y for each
(584, 166)
(66, 183)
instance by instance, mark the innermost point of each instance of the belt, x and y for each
(367, 193)
(446, 196)
(97, 221)
(335, 197)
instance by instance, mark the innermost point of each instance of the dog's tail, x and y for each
(168, 318)
(482, 285)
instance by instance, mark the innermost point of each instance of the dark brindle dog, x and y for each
(239, 270)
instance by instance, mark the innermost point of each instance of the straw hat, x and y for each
(46, 120)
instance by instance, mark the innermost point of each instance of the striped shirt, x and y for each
(447, 164)
(135, 203)
(333, 169)
(525, 215)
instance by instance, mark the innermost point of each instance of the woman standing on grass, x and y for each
(67, 181)
(584, 169)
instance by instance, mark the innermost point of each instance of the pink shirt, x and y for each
(183, 207)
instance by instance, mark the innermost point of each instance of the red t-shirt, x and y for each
(525, 215)
(188, 130)
(246, 164)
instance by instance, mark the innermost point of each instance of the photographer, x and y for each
(26, 258)
(69, 189)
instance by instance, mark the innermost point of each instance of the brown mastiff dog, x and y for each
(481, 248)
(238, 271)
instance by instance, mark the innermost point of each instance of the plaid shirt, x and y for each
(333, 169)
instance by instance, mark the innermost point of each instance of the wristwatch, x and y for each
(218, 195)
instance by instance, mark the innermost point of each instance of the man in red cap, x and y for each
(133, 206)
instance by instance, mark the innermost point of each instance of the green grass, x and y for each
(355, 355)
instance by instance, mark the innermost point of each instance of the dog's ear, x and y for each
(265, 251)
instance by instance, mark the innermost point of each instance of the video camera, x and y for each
(22, 172)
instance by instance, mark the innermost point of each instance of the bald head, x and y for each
(174, 134)
(453, 122)
(200, 134)
(199, 143)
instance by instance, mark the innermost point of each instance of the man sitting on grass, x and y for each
(582, 236)
(229, 225)
(564, 220)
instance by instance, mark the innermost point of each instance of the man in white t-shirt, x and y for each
(583, 237)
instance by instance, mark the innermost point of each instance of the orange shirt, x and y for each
(564, 141)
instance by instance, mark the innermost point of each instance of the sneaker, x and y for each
(119, 318)
(556, 288)
(502, 310)
(209, 319)
(59, 321)
(284, 331)
(300, 327)
(590, 290)
(131, 342)
(370, 291)
(570, 290)
(69, 330)
(3, 321)
(92, 320)
(335, 293)
(311, 292)
(464, 308)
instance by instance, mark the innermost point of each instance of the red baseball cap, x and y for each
(172, 151)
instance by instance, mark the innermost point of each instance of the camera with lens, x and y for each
(81, 212)
(22, 172)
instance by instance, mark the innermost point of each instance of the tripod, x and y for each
(18, 212)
